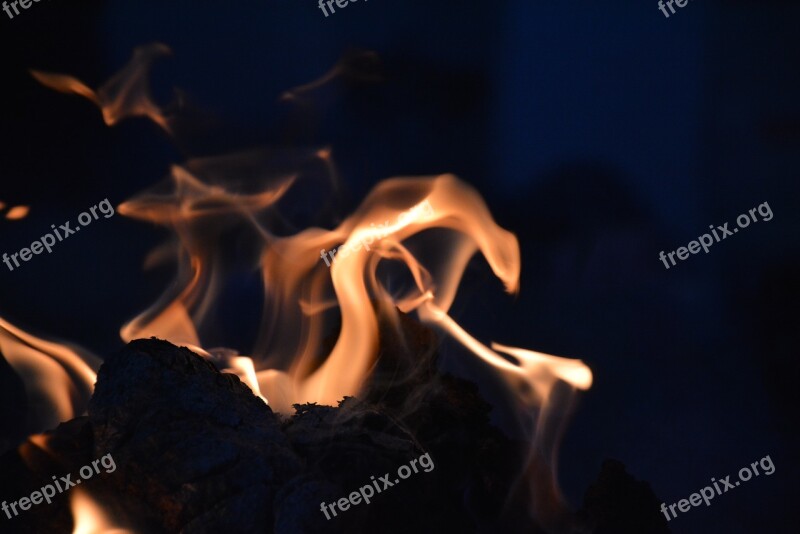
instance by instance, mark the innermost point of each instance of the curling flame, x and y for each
(90, 517)
(58, 379)
(192, 209)
(441, 202)
(124, 95)
(291, 264)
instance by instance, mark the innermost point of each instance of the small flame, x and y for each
(59, 379)
(17, 212)
(124, 95)
(243, 367)
(90, 517)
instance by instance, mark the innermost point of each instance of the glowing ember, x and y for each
(17, 212)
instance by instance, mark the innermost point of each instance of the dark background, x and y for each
(599, 134)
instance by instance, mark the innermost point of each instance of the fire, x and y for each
(90, 517)
(203, 206)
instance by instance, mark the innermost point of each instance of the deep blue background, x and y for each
(600, 134)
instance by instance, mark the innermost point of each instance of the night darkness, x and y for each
(599, 134)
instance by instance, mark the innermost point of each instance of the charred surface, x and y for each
(197, 452)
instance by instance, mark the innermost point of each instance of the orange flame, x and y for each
(90, 517)
(59, 378)
(293, 265)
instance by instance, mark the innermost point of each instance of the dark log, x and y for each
(13, 406)
(617, 503)
(197, 452)
(197, 446)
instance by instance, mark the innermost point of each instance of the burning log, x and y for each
(197, 451)
(195, 448)
(198, 447)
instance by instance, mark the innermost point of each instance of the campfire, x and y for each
(339, 389)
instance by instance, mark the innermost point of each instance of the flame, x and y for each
(293, 264)
(17, 212)
(59, 378)
(229, 361)
(361, 65)
(90, 517)
(243, 367)
(191, 209)
(124, 95)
